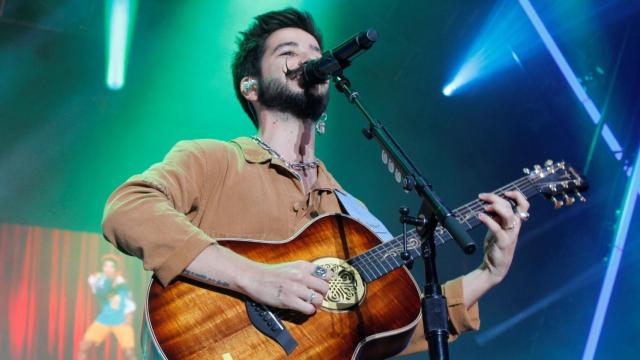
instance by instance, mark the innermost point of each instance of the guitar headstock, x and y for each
(558, 182)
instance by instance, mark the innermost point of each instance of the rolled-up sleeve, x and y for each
(150, 215)
(461, 318)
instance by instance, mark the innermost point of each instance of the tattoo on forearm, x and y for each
(216, 282)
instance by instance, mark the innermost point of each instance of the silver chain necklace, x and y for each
(297, 166)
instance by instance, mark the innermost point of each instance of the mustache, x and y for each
(296, 73)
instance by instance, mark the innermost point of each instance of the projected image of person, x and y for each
(117, 308)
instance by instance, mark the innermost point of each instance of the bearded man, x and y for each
(267, 187)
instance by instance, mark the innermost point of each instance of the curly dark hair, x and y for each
(251, 45)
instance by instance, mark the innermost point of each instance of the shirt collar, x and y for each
(254, 153)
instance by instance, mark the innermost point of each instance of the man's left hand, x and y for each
(504, 226)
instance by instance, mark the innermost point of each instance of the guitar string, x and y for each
(372, 258)
(524, 184)
(471, 207)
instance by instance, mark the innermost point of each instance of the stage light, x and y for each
(628, 204)
(120, 16)
(631, 193)
(448, 90)
(571, 77)
(492, 50)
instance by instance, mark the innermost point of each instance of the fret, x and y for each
(461, 217)
(469, 215)
(375, 271)
(396, 263)
(385, 257)
(360, 263)
(387, 266)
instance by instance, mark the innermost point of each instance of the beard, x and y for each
(308, 104)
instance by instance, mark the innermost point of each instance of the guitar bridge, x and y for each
(270, 325)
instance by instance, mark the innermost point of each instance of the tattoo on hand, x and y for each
(206, 278)
(279, 292)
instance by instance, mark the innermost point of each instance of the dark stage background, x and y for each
(66, 141)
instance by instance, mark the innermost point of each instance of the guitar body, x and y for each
(188, 320)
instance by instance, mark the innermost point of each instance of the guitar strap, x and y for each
(356, 209)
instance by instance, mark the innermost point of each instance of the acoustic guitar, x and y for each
(370, 312)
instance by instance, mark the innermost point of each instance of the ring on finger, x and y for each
(523, 215)
(320, 272)
(311, 297)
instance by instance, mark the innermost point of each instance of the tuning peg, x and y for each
(526, 171)
(537, 169)
(557, 203)
(548, 166)
(569, 200)
(580, 197)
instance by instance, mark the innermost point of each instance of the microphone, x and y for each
(332, 62)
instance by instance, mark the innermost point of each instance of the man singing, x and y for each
(267, 187)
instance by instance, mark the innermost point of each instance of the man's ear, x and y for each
(249, 88)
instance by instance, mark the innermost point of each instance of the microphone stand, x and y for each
(434, 305)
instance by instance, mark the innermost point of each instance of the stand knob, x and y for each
(405, 255)
(408, 184)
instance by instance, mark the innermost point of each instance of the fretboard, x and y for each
(385, 257)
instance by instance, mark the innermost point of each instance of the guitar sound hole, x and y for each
(346, 289)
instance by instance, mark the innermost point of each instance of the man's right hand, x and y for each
(287, 286)
(291, 285)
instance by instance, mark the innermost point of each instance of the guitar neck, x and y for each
(385, 257)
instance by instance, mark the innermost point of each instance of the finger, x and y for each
(323, 273)
(319, 285)
(503, 210)
(317, 300)
(307, 295)
(302, 306)
(491, 224)
(310, 268)
(302, 275)
(489, 197)
(523, 204)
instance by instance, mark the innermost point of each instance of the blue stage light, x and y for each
(631, 193)
(492, 50)
(448, 90)
(571, 77)
(628, 204)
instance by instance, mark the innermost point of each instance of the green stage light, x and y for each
(120, 16)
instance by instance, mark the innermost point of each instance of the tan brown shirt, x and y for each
(208, 189)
